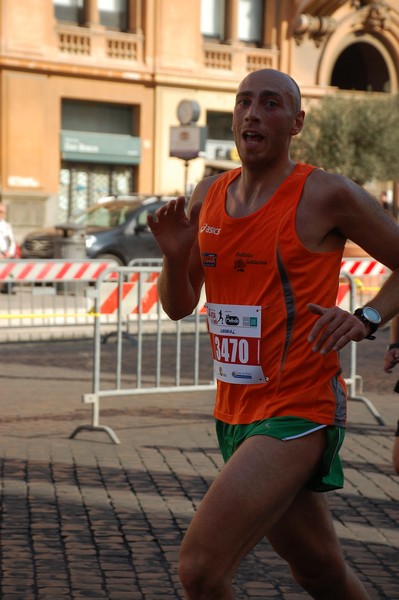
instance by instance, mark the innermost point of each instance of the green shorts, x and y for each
(330, 475)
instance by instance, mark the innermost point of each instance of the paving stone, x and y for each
(85, 518)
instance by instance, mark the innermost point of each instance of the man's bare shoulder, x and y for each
(204, 185)
(337, 206)
(201, 189)
(337, 193)
(327, 184)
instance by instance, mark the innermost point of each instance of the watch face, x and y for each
(372, 315)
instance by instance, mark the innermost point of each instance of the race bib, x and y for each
(235, 332)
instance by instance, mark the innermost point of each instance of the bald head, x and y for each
(271, 77)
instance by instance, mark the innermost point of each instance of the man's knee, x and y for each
(201, 579)
(321, 572)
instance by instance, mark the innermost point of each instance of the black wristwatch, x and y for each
(371, 317)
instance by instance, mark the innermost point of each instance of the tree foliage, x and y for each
(357, 137)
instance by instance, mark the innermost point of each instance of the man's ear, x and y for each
(299, 120)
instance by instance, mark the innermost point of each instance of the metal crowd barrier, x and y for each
(140, 318)
(354, 381)
(48, 298)
(178, 359)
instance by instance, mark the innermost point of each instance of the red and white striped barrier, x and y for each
(369, 275)
(89, 270)
(366, 271)
(31, 271)
(363, 266)
(109, 297)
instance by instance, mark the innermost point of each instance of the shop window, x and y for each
(70, 11)
(83, 185)
(113, 14)
(250, 21)
(212, 19)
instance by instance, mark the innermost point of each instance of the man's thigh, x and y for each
(250, 495)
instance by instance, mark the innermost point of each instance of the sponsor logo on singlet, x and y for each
(243, 259)
(210, 229)
(208, 259)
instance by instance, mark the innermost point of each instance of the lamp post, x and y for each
(188, 139)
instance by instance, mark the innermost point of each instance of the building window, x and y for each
(219, 125)
(212, 19)
(220, 140)
(98, 117)
(250, 21)
(83, 185)
(69, 10)
(113, 14)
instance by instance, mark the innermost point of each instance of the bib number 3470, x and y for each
(231, 350)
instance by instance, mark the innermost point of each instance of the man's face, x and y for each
(265, 116)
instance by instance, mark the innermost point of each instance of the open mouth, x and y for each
(251, 137)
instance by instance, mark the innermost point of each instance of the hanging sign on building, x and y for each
(187, 141)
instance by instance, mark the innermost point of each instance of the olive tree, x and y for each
(357, 137)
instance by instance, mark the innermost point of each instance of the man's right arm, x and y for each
(181, 278)
(180, 284)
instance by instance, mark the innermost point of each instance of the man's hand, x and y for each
(334, 329)
(174, 232)
(391, 359)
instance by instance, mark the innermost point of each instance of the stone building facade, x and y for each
(90, 89)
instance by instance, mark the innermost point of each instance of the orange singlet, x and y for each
(259, 278)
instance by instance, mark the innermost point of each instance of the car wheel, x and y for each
(110, 257)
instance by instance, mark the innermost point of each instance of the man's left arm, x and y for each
(360, 218)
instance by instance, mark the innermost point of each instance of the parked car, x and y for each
(114, 228)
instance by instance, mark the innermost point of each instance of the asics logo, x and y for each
(208, 229)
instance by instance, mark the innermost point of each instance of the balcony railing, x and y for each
(102, 46)
(99, 44)
(223, 57)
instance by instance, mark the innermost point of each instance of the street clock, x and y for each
(188, 112)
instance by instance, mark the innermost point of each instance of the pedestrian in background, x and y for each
(391, 359)
(8, 246)
(267, 240)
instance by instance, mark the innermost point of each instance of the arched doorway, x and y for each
(361, 67)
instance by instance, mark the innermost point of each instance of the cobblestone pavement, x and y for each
(85, 518)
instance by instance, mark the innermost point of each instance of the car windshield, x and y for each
(109, 214)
